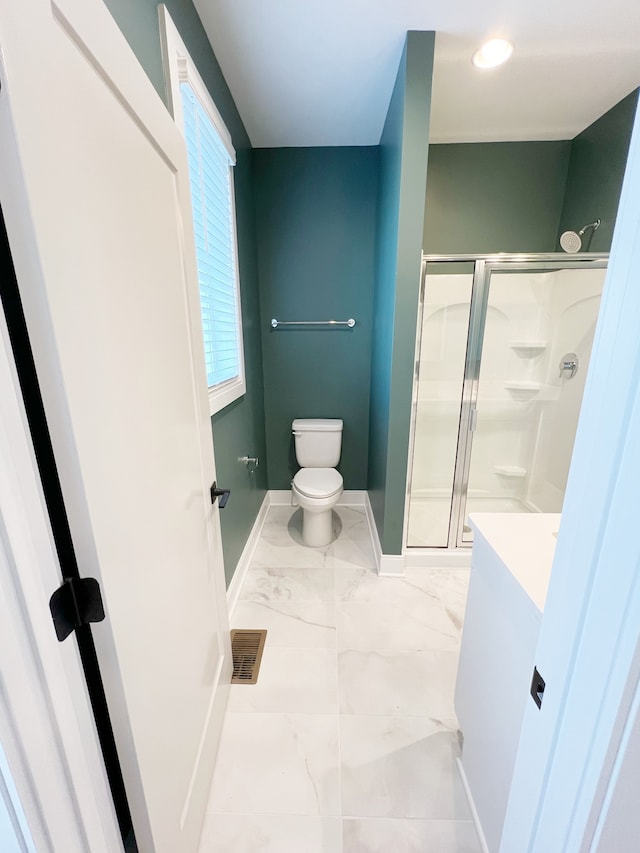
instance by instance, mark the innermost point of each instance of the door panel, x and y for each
(95, 192)
(526, 414)
(438, 395)
(507, 403)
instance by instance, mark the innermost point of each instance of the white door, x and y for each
(54, 793)
(573, 749)
(94, 188)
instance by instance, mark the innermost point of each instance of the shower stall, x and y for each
(502, 354)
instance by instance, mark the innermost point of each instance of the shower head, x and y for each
(571, 241)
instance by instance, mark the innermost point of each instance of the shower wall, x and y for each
(526, 413)
(510, 393)
(574, 303)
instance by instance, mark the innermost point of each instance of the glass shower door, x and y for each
(442, 345)
(523, 404)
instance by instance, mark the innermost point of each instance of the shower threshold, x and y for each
(428, 518)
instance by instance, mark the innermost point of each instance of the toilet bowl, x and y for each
(317, 491)
(317, 486)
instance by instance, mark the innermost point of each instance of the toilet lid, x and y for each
(318, 482)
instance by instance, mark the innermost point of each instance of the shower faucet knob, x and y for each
(569, 363)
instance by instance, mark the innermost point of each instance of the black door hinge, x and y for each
(537, 687)
(77, 602)
(221, 495)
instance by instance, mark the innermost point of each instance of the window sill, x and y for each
(224, 394)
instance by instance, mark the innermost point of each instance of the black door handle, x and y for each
(222, 495)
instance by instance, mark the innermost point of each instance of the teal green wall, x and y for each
(239, 428)
(384, 295)
(495, 197)
(315, 212)
(520, 196)
(403, 174)
(596, 170)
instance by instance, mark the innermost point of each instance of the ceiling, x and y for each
(320, 72)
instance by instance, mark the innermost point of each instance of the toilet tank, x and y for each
(318, 441)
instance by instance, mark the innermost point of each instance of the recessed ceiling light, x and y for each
(492, 53)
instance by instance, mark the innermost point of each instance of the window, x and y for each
(211, 160)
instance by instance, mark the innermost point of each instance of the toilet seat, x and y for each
(318, 482)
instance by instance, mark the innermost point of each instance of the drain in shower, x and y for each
(246, 649)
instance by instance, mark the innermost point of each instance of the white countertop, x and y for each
(525, 542)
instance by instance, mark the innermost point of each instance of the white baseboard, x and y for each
(437, 558)
(391, 566)
(233, 592)
(279, 497)
(395, 565)
(387, 565)
(352, 497)
(349, 497)
(373, 530)
(472, 806)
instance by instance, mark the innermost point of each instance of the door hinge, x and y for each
(221, 495)
(77, 602)
(537, 687)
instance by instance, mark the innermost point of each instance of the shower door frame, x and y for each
(484, 266)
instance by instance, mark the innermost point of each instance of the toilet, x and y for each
(317, 486)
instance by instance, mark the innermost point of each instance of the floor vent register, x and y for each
(246, 649)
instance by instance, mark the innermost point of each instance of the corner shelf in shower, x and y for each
(522, 389)
(528, 349)
(510, 471)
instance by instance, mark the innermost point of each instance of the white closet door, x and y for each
(94, 188)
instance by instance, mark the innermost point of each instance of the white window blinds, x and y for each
(213, 218)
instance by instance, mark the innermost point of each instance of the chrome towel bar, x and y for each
(350, 323)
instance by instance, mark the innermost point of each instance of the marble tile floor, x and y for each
(348, 742)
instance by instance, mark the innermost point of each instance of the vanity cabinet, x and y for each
(510, 568)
